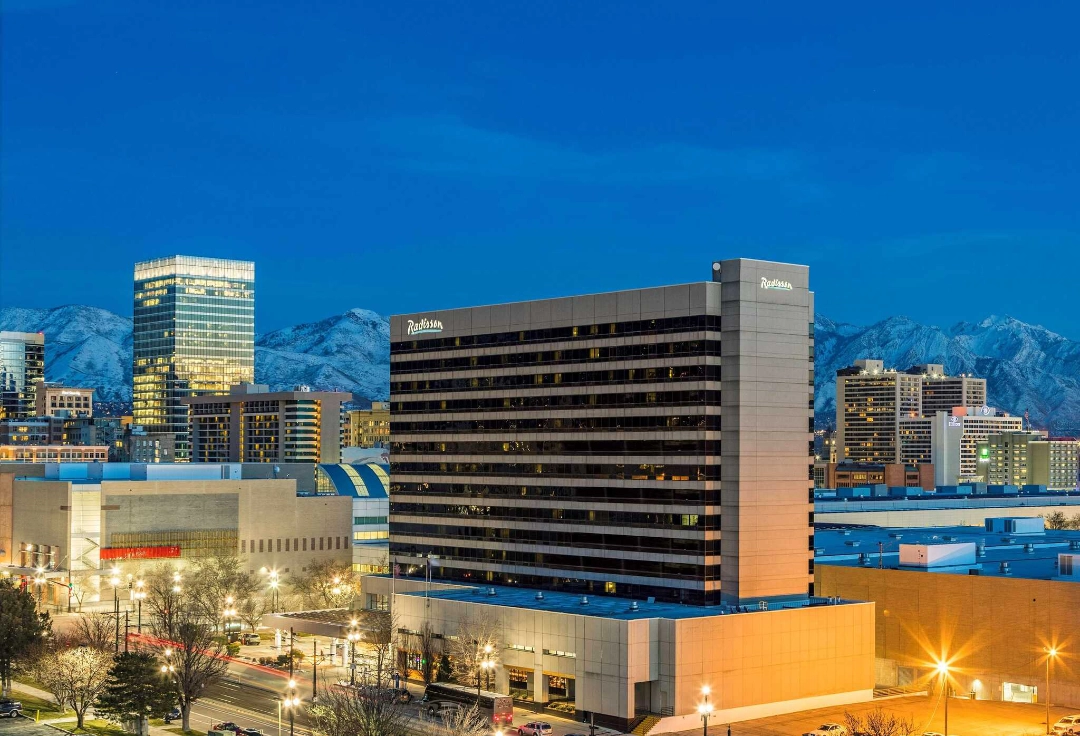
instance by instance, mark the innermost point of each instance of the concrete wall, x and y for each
(42, 515)
(990, 629)
(765, 431)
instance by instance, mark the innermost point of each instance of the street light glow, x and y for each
(943, 668)
(705, 690)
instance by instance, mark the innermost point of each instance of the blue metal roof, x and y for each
(369, 480)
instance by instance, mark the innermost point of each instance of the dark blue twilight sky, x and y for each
(399, 155)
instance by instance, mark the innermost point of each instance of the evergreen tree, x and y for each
(137, 690)
(22, 628)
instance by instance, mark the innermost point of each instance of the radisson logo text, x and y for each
(424, 326)
(775, 284)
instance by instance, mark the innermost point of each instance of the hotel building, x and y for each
(22, 366)
(869, 404)
(256, 425)
(58, 400)
(194, 334)
(369, 427)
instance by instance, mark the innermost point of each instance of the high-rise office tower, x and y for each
(654, 442)
(194, 335)
(870, 402)
(22, 366)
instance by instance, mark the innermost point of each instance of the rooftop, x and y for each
(600, 606)
(1029, 556)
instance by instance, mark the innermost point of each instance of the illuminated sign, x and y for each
(139, 553)
(955, 422)
(767, 283)
(424, 326)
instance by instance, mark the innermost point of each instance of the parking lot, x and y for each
(966, 718)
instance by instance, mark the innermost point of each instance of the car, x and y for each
(1068, 725)
(250, 639)
(400, 694)
(535, 728)
(250, 732)
(229, 726)
(10, 708)
(828, 729)
(173, 715)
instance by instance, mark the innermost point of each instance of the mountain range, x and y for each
(1027, 367)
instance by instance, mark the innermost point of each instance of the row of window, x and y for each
(614, 471)
(623, 399)
(325, 543)
(639, 351)
(580, 541)
(559, 447)
(362, 520)
(607, 329)
(593, 494)
(652, 422)
(656, 374)
(560, 515)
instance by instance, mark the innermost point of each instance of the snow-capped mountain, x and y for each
(1028, 368)
(87, 346)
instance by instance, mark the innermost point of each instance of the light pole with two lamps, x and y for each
(229, 612)
(140, 593)
(115, 582)
(353, 636)
(1051, 653)
(705, 709)
(943, 670)
(484, 664)
(290, 702)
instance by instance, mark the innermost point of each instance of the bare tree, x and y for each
(252, 609)
(193, 658)
(362, 711)
(95, 630)
(379, 634)
(429, 649)
(75, 677)
(325, 584)
(466, 722)
(1056, 520)
(214, 583)
(879, 722)
(477, 640)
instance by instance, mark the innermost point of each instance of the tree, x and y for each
(1074, 522)
(477, 639)
(325, 584)
(252, 609)
(211, 582)
(76, 677)
(1056, 520)
(466, 722)
(94, 630)
(193, 658)
(361, 711)
(429, 651)
(379, 629)
(22, 629)
(136, 690)
(879, 722)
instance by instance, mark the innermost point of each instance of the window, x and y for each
(305, 544)
(243, 546)
(313, 544)
(321, 543)
(337, 542)
(296, 545)
(279, 545)
(260, 545)
(286, 544)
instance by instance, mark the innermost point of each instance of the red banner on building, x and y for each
(139, 553)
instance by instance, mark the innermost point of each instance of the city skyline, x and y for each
(474, 161)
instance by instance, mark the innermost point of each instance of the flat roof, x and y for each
(599, 606)
(945, 501)
(845, 545)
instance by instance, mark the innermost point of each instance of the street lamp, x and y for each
(274, 587)
(115, 582)
(943, 670)
(228, 613)
(140, 593)
(39, 581)
(290, 702)
(705, 709)
(1051, 653)
(485, 665)
(353, 637)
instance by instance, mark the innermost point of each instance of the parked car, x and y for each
(828, 729)
(173, 715)
(251, 732)
(535, 728)
(1068, 725)
(10, 708)
(229, 726)
(250, 639)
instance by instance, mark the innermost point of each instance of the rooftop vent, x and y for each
(852, 543)
(980, 549)
(1008, 540)
(491, 591)
(949, 538)
(896, 535)
(584, 600)
(1003, 568)
(633, 605)
(845, 532)
(1074, 544)
(539, 595)
(1029, 548)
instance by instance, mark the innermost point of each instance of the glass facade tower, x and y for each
(194, 335)
(22, 365)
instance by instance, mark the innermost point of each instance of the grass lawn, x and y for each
(94, 728)
(181, 732)
(31, 704)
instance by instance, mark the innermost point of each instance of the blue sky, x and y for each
(402, 156)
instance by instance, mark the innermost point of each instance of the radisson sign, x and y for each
(424, 326)
(767, 283)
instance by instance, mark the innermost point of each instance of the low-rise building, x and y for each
(58, 400)
(1023, 458)
(989, 602)
(54, 454)
(369, 427)
(854, 475)
(140, 446)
